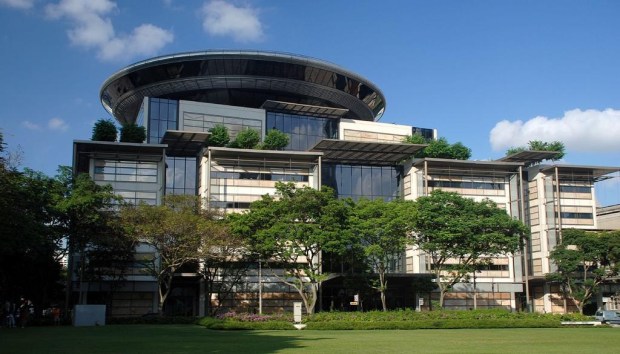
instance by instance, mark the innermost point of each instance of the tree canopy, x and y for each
(382, 230)
(219, 135)
(246, 139)
(275, 140)
(584, 260)
(292, 229)
(104, 130)
(439, 148)
(178, 232)
(537, 145)
(457, 232)
(132, 133)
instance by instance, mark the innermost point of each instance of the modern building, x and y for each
(331, 116)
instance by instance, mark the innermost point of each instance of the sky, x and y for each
(490, 74)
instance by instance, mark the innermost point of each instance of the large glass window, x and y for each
(181, 175)
(372, 182)
(125, 171)
(163, 115)
(303, 131)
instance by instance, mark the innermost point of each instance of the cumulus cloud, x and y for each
(31, 126)
(57, 124)
(581, 131)
(225, 19)
(18, 4)
(93, 28)
(54, 124)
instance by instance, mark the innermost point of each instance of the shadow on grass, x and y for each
(147, 338)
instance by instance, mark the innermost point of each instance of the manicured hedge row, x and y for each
(401, 319)
(411, 315)
(229, 324)
(153, 320)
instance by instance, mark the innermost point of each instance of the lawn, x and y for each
(194, 339)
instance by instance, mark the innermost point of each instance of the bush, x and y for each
(275, 140)
(246, 139)
(132, 133)
(219, 136)
(104, 130)
(153, 320)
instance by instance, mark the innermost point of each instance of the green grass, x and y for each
(195, 339)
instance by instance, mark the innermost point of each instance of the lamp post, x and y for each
(260, 288)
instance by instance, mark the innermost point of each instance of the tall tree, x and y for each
(383, 229)
(584, 261)
(28, 266)
(292, 229)
(455, 232)
(104, 130)
(88, 219)
(177, 231)
(227, 261)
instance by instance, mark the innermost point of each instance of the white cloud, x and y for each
(581, 131)
(92, 28)
(224, 19)
(18, 4)
(57, 124)
(31, 126)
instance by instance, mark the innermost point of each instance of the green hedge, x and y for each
(214, 323)
(400, 319)
(153, 320)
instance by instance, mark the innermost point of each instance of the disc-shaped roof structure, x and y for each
(241, 78)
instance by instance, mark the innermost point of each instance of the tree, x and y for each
(383, 229)
(177, 231)
(219, 135)
(87, 218)
(246, 139)
(537, 145)
(439, 148)
(275, 140)
(455, 232)
(292, 229)
(104, 130)
(28, 263)
(132, 133)
(227, 260)
(584, 261)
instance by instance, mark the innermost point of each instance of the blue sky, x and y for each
(491, 74)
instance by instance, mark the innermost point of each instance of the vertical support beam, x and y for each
(559, 204)
(425, 177)
(208, 182)
(526, 262)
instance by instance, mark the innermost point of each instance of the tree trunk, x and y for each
(382, 288)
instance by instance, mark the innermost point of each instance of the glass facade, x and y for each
(181, 175)
(138, 172)
(303, 131)
(466, 185)
(372, 182)
(125, 171)
(163, 115)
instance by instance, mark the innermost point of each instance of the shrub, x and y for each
(132, 133)
(104, 130)
(246, 139)
(275, 140)
(153, 320)
(219, 136)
